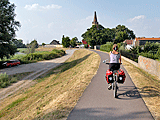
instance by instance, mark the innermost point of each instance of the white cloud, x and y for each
(136, 18)
(41, 8)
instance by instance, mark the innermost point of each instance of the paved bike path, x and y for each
(98, 103)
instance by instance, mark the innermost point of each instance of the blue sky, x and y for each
(46, 20)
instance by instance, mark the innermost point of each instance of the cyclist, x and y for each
(115, 60)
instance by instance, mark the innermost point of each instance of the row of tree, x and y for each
(98, 35)
(67, 42)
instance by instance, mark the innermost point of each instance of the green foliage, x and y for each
(74, 41)
(43, 44)
(18, 43)
(7, 50)
(151, 47)
(5, 80)
(22, 50)
(32, 46)
(45, 55)
(85, 46)
(150, 55)
(65, 41)
(100, 35)
(34, 43)
(149, 50)
(8, 27)
(123, 33)
(107, 47)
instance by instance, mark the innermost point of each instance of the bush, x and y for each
(4, 80)
(107, 47)
(45, 55)
(150, 55)
(13, 80)
(129, 55)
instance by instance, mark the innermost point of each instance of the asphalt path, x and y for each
(98, 103)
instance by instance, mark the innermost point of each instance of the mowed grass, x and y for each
(55, 94)
(148, 86)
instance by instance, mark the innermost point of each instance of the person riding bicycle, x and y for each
(115, 60)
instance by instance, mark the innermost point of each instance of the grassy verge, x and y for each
(6, 80)
(55, 95)
(148, 86)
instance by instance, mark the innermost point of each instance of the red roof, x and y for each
(84, 42)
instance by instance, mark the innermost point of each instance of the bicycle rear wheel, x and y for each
(115, 88)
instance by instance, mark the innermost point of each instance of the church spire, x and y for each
(95, 19)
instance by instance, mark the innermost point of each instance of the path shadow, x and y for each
(149, 91)
(128, 93)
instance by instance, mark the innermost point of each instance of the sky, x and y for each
(47, 20)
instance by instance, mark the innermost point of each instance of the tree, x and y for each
(94, 36)
(8, 27)
(43, 44)
(74, 41)
(123, 33)
(35, 43)
(18, 43)
(65, 41)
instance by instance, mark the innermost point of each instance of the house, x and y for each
(55, 42)
(142, 41)
(129, 44)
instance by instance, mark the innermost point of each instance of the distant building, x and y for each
(55, 42)
(142, 41)
(129, 44)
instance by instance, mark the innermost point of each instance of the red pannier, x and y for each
(121, 77)
(109, 76)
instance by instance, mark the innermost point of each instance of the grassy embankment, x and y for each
(55, 95)
(6, 80)
(148, 86)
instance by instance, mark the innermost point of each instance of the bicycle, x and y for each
(115, 80)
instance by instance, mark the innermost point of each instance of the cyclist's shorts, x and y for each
(114, 66)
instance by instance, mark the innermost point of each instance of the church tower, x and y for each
(95, 19)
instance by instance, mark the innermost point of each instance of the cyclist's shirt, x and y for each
(114, 58)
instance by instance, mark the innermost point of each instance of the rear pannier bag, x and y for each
(121, 77)
(109, 76)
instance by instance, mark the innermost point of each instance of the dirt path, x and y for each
(38, 69)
